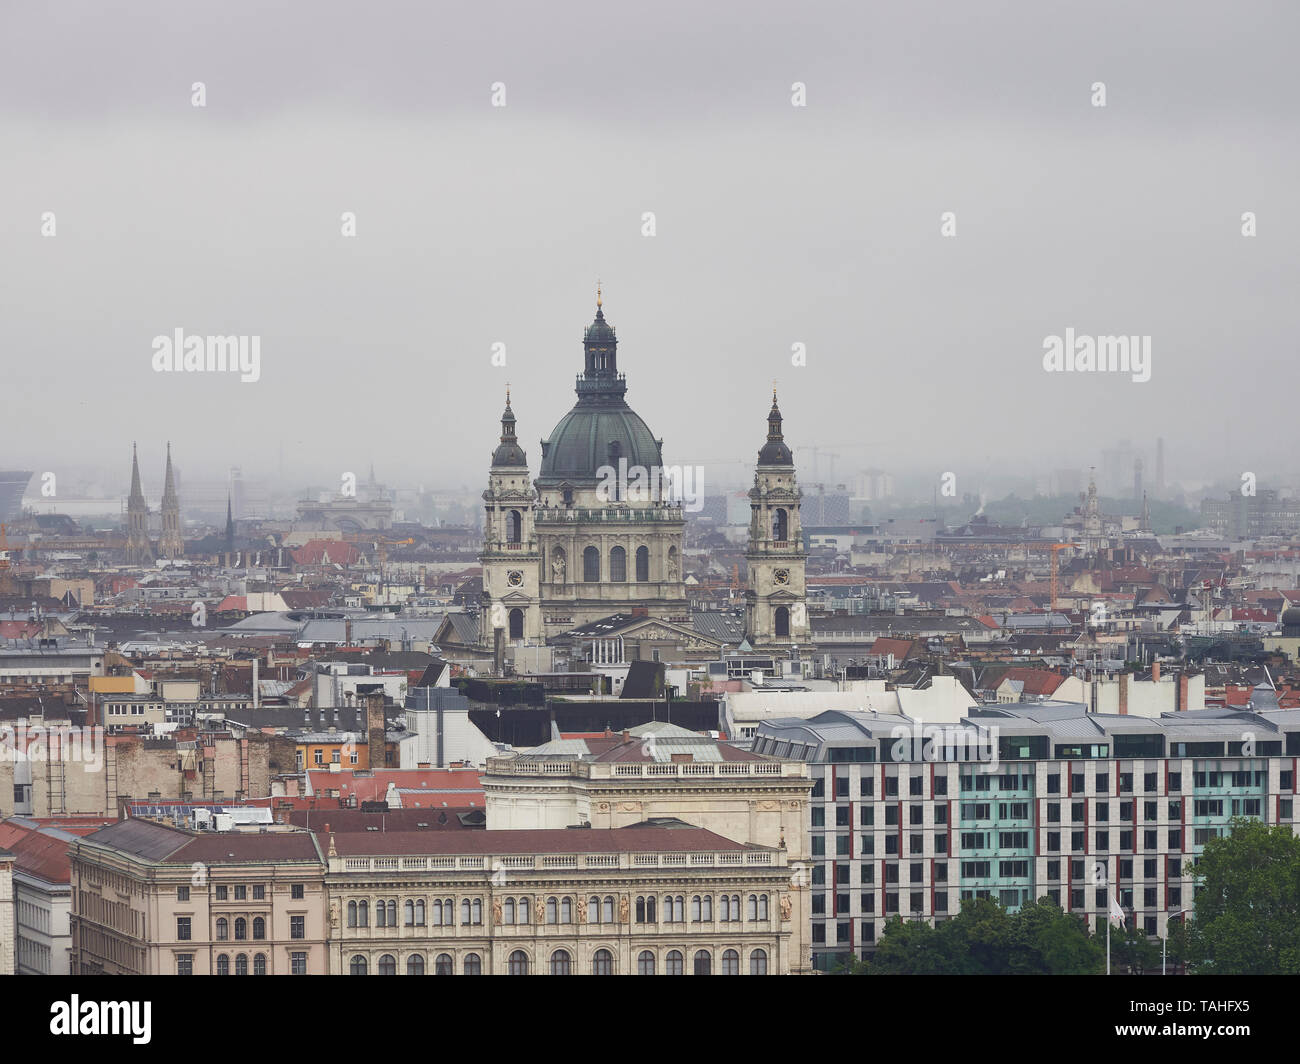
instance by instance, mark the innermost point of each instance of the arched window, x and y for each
(730, 962)
(673, 963)
(780, 525)
(508, 911)
(437, 912)
(735, 908)
(519, 963)
(477, 911)
(552, 911)
(758, 962)
(642, 565)
(241, 964)
(516, 623)
(645, 963)
(618, 565)
(695, 909)
(464, 910)
(561, 963)
(591, 565)
(259, 927)
(358, 965)
(782, 622)
(223, 965)
(223, 928)
(514, 526)
(607, 911)
(602, 963)
(363, 914)
(443, 966)
(419, 913)
(525, 911)
(241, 928)
(259, 964)
(593, 910)
(448, 912)
(703, 962)
(415, 964)
(352, 915)
(392, 913)
(474, 964)
(387, 964)
(724, 908)
(753, 906)
(762, 906)
(410, 912)
(566, 910)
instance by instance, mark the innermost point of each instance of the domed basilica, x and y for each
(575, 546)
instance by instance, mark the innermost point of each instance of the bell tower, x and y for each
(510, 558)
(138, 549)
(776, 605)
(170, 543)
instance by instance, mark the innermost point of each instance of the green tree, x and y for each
(1132, 952)
(1247, 903)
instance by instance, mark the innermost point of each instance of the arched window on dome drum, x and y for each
(618, 565)
(516, 624)
(782, 622)
(780, 525)
(591, 565)
(642, 565)
(514, 526)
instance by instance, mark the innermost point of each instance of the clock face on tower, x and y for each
(515, 577)
(781, 576)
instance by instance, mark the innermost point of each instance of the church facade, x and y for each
(599, 533)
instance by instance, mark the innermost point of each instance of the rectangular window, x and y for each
(841, 816)
(297, 927)
(259, 893)
(940, 785)
(297, 963)
(941, 901)
(182, 893)
(1077, 813)
(185, 964)
(1053, 812)
(1077, 841)
(867, 902)
(183, 928)
(867, 787)
(819, 816)
(222, 893)
(1103, 812)
(296, 892)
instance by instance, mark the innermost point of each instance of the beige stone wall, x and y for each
(8, 926)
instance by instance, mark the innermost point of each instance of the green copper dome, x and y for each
(601, 428)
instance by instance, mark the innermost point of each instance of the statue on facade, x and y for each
(496, 912)
(623, 909)
(557, 569)
(785, 907)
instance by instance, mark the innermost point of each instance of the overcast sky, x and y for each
(776, 225)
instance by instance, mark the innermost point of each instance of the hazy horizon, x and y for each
(776, 225)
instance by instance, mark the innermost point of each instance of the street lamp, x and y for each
(1164, 942)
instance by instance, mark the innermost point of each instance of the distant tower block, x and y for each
(170, 544)
(1160, 466)
(138, 550)
(1137, 478)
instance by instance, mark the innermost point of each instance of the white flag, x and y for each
(1116, 913)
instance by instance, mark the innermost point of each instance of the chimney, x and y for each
(347, 632)
(1155, 672)
(257, 701)
(627, 736)
(1123, 694)
(375, 729)
(1181, 704)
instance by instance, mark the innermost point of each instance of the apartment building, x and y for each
(152, 899)
(911, 819)
(661, 900)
